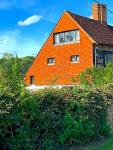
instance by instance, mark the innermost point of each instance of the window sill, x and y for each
(75, 62)
(50, 64)
(66, 43)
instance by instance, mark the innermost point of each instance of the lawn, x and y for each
(106, 145)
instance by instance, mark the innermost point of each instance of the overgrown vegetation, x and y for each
(50, 119)
(53, 119)
(24, 62)
(11, 77)
(96, 77)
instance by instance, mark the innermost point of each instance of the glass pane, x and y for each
(75, 58)
(108, 58)
(72, 36)
(100, 59)
(67, 37)
(77, 34)
(56, 38)
(51, 60)
(62, 38)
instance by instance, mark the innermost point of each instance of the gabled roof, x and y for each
(100, 32)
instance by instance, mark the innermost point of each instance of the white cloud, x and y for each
(15, 43)
(30, 20)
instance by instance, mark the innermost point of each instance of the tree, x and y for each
(25, 63)
(11, 77)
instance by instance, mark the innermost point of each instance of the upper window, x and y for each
(67, 37)
(75, 58)
(51, 61)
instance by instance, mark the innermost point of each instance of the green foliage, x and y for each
(11, 78)
(51, 119)
(25, 63)
(97, 76)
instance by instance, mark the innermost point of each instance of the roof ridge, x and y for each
(89, 19)
(102, 33)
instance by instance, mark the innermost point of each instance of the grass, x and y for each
(106, 145)
(102, 144)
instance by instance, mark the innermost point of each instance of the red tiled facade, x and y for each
(94, 48)
(62, 72)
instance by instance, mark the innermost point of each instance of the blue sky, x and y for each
(26, 24)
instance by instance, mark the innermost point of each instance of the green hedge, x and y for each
(53, 119)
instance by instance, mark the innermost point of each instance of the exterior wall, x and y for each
(63, 71)
(104, 50)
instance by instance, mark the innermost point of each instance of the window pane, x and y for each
(56, 38)
(62, 38)
(100, 59)
(75, 58)
(67, 37)
(77, 35)
(72, 36)
(51, 61)
(108, 58)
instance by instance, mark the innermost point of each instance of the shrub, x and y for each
(51, 119)
(97, 76)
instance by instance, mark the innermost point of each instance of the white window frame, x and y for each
(56, 37)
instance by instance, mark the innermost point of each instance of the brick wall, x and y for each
(63, 71)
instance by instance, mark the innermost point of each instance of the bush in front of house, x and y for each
(96, 76)
(53, 119)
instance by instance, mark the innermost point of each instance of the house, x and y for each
(75, 44)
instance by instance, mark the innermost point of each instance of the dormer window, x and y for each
(67, 37)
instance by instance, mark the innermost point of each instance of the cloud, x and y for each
(15, 43)
(30, 20)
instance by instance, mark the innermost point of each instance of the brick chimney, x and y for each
(99, 12)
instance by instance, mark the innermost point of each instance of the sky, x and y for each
(26, 24)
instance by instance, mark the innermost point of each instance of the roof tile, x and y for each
(102, 33)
